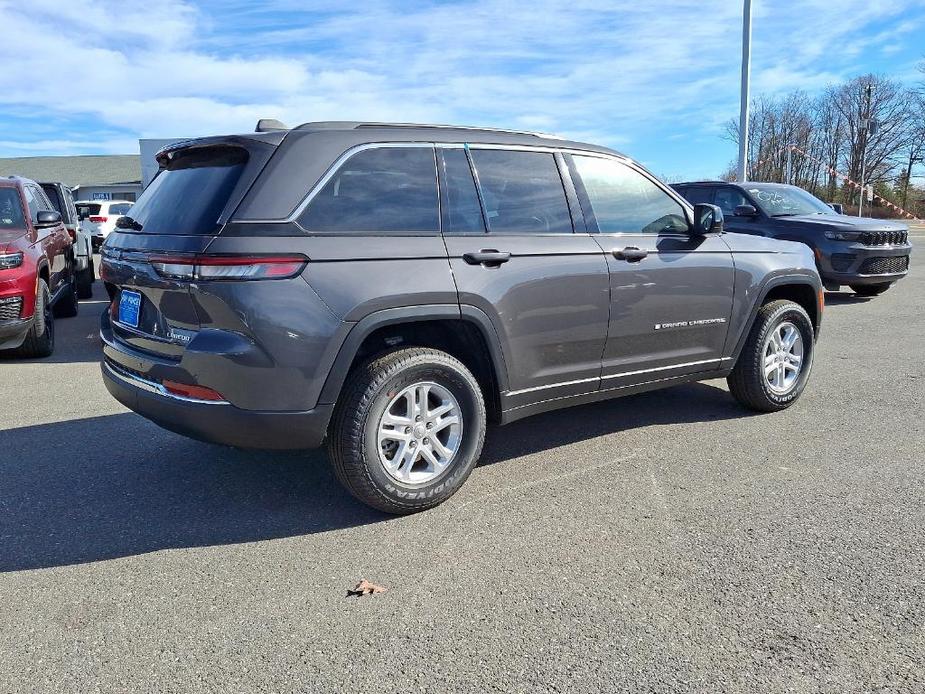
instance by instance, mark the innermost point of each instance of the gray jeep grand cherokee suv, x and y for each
(391, 288)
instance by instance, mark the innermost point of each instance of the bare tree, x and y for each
(827, 134)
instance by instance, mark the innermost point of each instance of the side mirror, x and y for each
(745, 211)
(46, 218)
(837, 206)
(708, 219)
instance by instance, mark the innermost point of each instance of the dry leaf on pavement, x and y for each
(364, 587)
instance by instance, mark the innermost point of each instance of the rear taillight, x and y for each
(228, 267)
(72, 233)
(99, 220)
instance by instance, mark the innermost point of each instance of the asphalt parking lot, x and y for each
(665, 542)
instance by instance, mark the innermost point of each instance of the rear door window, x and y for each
(522, 192)
(462, 212)
(623, 200)
(189, 194)
(378, 190)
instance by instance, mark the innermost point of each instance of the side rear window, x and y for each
(522, 192)
(623, 200)
(188, 195)
(462, 211)
(119, 209)
(378, 190)
(89, 209)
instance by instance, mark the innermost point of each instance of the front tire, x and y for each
(775, 362)
(40, 340)
(408, 429)
(870, 289)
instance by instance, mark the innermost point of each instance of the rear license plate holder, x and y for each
(129, 307)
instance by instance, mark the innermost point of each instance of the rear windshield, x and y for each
(188, 195)
(93, 209)
(11, 209)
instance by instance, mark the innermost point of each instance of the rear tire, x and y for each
(399, 417)
(870, 289)
(85, 279)
(770, 375)
(40, 340)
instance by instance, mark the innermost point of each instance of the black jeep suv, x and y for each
(391, 288)
(868, 255)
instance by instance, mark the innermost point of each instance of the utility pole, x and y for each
(865, 129)
(744, 91)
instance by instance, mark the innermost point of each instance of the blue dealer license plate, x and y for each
(129, 307)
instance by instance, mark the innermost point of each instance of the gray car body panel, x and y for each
(564, 321)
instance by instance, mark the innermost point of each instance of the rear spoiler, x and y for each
(267, 125)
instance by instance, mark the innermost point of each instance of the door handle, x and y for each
(630, 254)
(487, 257)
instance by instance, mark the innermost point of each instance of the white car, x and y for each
(100, 216)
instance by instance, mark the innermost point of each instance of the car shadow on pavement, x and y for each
(107, 487)
(76, 339)
(838, 298)
(683, 404)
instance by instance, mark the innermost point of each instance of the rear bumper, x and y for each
(220, 423)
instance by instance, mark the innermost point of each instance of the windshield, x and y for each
(11, 216)
(188, 196)
(784, 201)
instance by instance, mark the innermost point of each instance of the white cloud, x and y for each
(621, 75)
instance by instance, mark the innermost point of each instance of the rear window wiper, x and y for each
(126, 222)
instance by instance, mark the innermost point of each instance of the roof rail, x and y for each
(354, 125)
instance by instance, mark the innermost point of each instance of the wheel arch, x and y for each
(801, 289)
(43, 271)
(467, 333)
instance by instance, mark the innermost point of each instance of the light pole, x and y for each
(744, 92)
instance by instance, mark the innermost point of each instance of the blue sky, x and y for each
(655, 79)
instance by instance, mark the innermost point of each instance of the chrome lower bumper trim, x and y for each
(152, 387)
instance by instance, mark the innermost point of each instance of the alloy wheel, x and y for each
(783, 357)
(420, 433)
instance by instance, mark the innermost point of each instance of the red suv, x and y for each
(38, 280)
